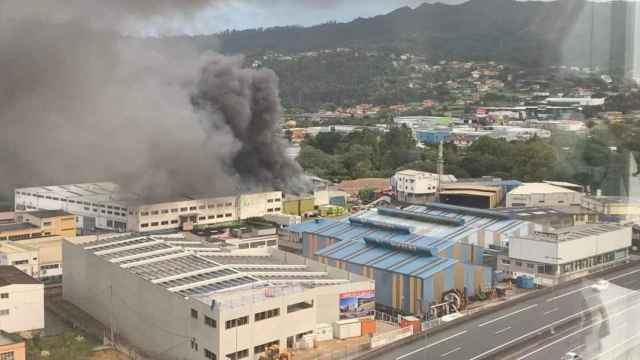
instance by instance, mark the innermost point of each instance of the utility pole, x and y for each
(440, 168)
(111, 328)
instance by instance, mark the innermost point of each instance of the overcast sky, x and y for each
(248, 14)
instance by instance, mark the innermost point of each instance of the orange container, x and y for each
(413, 322)
(368, 326)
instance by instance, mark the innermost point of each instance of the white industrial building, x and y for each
(175, 298)
(21, 301)
(564, 254)
(542, 194)
(417, 187)
(105, 206)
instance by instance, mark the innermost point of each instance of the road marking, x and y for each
(550, 311)
(577, 347)
(450, 352)
(503, 330)
(431, 345)
(579, 331)
(549, 325)
(615, 346)
(507, 315)
(586, 287)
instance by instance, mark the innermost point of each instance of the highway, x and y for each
(596, 324)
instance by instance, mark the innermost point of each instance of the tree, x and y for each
(367, 195)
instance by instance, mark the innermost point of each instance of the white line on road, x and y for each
(503, 330)
(550, 311)
(586, 287)
(577, 347)
(578, 331)
(430, 345)
(507, 315)
(450, 352)
(549, 326)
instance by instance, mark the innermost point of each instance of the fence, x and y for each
(391, 336)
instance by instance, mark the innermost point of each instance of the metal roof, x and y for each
(203, 272)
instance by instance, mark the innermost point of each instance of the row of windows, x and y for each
(241, 321)
(242, 354)
(50, 267)
(273, 200)
(274, 209)
(9, 355)
(73, 201)
(267, 315)
(185, 209)
(173, 222)
(108, 212)
(261, 348)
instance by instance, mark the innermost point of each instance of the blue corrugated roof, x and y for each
(402, 262)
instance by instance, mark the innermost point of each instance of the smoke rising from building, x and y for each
(82, 103)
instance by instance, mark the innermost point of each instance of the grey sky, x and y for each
(246, 14)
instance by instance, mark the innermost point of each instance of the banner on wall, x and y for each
(355, 304)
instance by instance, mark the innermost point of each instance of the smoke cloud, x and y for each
(81, 103)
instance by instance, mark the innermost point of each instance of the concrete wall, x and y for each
(552, 252)
(544, 199)
(26, 307)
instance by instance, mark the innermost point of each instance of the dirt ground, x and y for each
(109, 355)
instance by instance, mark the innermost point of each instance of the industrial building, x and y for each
(105, 206)
(542, 194)
(37, 224)
(176, 298)
(614, 208)
(471, 195)
(417, 187)
(415, 255)
(554, 217)
(37, 257)
(553, 256)
(21, 301)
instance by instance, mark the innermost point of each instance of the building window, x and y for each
(165, 211)
(144, 213)
(166, 222)
(211, 206)
(212, 217)
(4, 312)
(519, 263)
(192, 208)
(230, 324)
(202, 207)
(21, 262)
(174, 221)
(261, 348)
(210, 322)
(228, 215)
(144, 225)
(174, 210)
(209, 355)
(155, 212)
(242, 354)
(155, 223)
(299, 306)
(269, 201)
(7, 355)
(46, 223)
(506, 261)
(202, 218)
(49, 267)
(4, 296)
(194, 313)
(267, 315)
(184, 209)
(276, 209)
(219, 216)
(531, 266)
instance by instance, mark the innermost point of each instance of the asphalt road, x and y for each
(596, 324)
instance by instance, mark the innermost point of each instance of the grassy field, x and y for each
(71, 345)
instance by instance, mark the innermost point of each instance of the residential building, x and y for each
(12, 347)
(542, 194)
(37, 224)
(38, 257)
(106, 206)
(417, 187)
(21, 301)
(554, 256)
(182, 298)
(415, 255)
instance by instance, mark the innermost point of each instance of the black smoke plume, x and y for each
(82, 103)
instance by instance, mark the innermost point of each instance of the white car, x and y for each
(571, 356)
(600, 285)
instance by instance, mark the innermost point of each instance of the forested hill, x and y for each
(524, 32)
